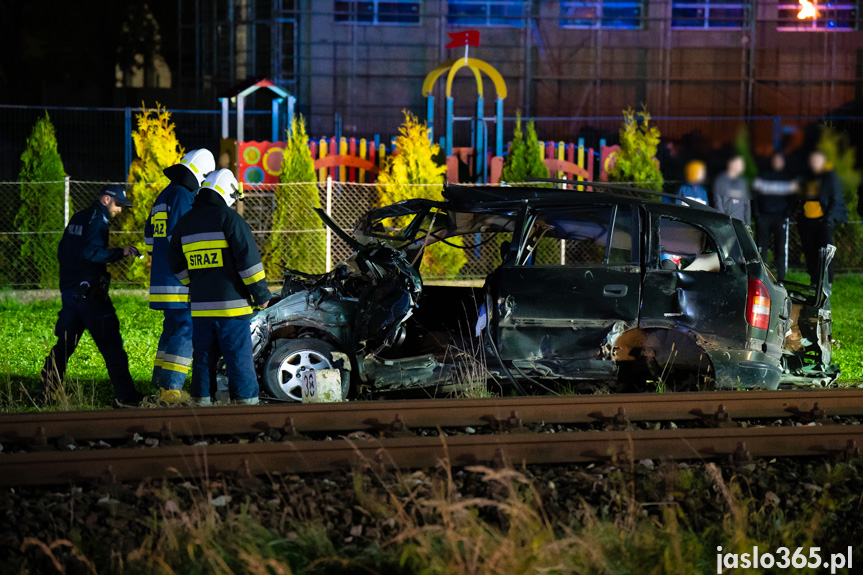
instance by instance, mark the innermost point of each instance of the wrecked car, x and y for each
(594, 288)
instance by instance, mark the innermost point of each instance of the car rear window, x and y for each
(744, 238)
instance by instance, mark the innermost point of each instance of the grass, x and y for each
(27, 328)
(27, 324)
(627, 519)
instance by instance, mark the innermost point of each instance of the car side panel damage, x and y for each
(592, 289)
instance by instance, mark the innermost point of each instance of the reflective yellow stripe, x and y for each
(157, 363)
(175, 367)
(255, 278)
(206, 245)
(184, 281)
(222, 312)
(181, 297)
(148, 248)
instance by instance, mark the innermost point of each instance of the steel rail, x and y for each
(374, 415)
(63, 467)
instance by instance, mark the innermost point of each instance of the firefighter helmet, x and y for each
(200, 163)
(223, 183)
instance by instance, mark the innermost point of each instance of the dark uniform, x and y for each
(774, 203)
(823, 206)
(84, 279)
(174, 354)
(214, 253)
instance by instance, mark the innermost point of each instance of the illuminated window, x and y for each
(620, 14)
(486, 13)
(831, 16)
(709, 14)
(397, 12)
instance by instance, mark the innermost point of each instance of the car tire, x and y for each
(290, 356)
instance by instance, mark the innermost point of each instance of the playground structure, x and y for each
(259, 162)
(256, 162)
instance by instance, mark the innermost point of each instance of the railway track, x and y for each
(384, 433)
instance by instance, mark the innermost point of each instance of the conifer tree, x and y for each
(40, 214)
(524, 160)
(742, 147)
(304, 251)
(413, 163)
(157, 148)
(635, 162)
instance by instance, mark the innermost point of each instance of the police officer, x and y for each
(214, 253)
(84, 280)
(174, 354)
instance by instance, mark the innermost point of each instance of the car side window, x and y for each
(685, 247)
(592, 235)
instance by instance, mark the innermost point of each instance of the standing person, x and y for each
(174, 353)
(694, 174)
(214, 253)
(823, 206)
(775, 192)
(84, 280)
(731, 191)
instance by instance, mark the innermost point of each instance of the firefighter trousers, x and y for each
(174, 354)
(234, 339)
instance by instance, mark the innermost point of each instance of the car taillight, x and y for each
(758, 304)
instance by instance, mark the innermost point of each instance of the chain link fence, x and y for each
(28, 251)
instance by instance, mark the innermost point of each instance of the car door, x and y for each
(695, 280)
(570, 287)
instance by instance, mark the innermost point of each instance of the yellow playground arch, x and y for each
(477, 67)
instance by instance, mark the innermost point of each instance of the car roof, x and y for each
(492, 198)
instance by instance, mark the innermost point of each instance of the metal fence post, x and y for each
(66, 203)
(128, 129)
(329, 231)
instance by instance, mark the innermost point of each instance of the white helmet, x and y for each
(200, 163)
(223, 183)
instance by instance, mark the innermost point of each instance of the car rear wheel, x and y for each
(290, 358)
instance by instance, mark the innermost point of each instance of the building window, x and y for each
(620, 14)
(709, 14)
(840, 15)
(486, 13)
(398, 12)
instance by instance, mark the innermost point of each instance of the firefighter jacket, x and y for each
(166, 291)
(84, 251)
(213, 252)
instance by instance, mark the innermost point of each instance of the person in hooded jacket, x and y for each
(731, 191)
(213, 252)
(823, 206)
(167, 294)
(775, 198)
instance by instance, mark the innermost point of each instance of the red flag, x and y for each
(466, 38)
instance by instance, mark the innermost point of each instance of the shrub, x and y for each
(742, 147)
(524, 159)
(40, 213)
(841, 157)
(302, 251)
(157, 148)
(413, 163)
(635, 162)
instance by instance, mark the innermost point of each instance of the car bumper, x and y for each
(745, 369)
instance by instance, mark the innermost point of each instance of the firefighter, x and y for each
(213, 252)
(84, 280)
(174, 354)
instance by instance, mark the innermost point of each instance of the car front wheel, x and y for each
(290, 358)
